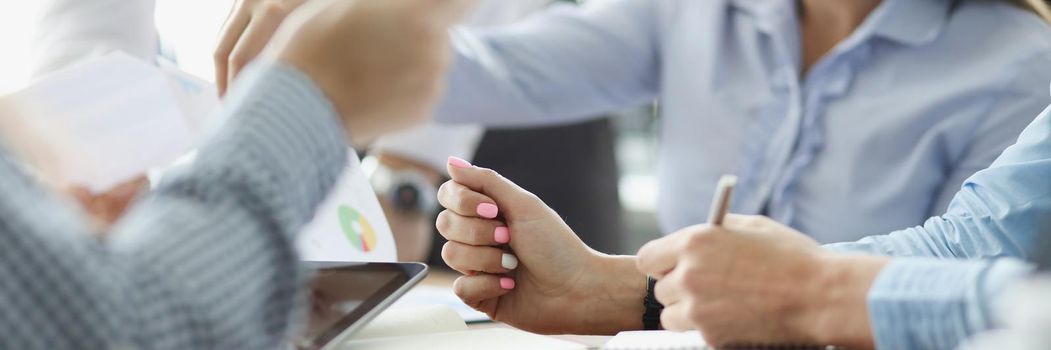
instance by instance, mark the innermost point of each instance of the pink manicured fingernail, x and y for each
(459, 162)
(502, 235)
(487, 210)
(507, 283)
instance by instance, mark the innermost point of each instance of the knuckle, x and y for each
(695, 240)
(443, 223)
(449, 254)
(221, 55)
(461, 192)
(754, 221)
(460, 288)
(443, 190)
(536, 201)
(237, 59)
(489, 173)
(459, 199)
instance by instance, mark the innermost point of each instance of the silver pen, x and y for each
(721, 200)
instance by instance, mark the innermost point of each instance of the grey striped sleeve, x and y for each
(206, 261)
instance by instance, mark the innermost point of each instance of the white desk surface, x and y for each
(445, 279)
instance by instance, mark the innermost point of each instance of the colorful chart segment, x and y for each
(358, 230)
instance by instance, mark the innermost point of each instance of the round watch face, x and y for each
(358, 230)
(406, 196)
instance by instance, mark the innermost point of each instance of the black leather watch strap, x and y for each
(651, 318)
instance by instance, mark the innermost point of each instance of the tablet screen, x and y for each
(343, 294)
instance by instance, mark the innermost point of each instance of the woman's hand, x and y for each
(525, 266)
(755, 281)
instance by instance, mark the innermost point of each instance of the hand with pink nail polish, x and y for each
(524, 266)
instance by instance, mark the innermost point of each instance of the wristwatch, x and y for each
(405, 189)
(651, 317)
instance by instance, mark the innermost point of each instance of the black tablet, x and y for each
(346, 296)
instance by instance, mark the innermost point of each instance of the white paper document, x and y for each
(426, 295)
(349, 225)
(657, 340)
(198, 100)
(116, 117)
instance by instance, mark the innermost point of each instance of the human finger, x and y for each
(670, 289)
(468, 259)
(476, 289)
(265, 20)
(236, 22)
(471, 230)
(504, 192)
(466, 201)
(676, 317)
(659, 256)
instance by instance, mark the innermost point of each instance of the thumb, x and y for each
(508, 196)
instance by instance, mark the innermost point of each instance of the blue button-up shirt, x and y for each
(921, 302)
(876, 136)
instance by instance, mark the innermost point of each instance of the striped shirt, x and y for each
(207, 260)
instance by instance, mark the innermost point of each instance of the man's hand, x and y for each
(380, 62)
(754, 281)
(248, 29)
(523, 264)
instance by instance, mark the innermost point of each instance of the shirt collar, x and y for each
(910, 22)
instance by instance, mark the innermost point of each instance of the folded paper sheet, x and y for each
(113, 118)
(349, 225)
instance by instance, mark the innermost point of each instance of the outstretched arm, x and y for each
(561, 65)
(208, 261)
(205, 261)
(1000, 211)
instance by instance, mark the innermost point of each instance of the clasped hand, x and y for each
(751, 280)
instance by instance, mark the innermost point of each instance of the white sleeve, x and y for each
(432, 144)
(71, 31)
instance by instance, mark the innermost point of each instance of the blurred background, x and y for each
(190, 46)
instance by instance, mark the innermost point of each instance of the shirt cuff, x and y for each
(283, 138)
(922, 303)
(864, 246)
(432, 144)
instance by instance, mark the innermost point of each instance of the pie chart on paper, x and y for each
(357, 229)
